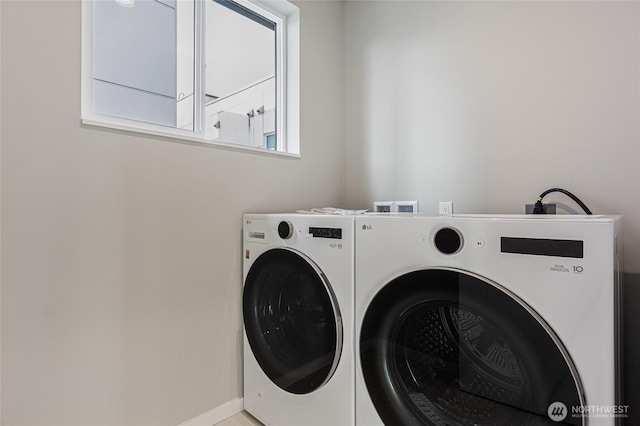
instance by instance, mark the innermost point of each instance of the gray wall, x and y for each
(121, 254)
(487, 104)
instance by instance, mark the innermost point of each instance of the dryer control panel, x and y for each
(542, 247)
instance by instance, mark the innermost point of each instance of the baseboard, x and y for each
(217, 414)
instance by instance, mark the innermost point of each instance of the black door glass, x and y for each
(440, 347)
(292, 321)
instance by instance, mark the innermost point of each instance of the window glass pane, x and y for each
(240, 74)
(143, 61)
(271, 141)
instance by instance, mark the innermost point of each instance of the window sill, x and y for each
(182, 136)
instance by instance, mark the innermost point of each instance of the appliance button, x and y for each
(285, 230)
(448, 240)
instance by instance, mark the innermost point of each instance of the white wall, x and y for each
(121, 254)
(487, 104)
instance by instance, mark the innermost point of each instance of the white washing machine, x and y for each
(487, 320)
(298, 319)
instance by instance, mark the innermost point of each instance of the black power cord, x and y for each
(538, 208)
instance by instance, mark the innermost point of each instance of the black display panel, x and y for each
(335, 233)
(542, 247)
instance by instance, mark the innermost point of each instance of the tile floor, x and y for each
(241, 419)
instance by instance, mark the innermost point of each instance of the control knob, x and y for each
(285, 230)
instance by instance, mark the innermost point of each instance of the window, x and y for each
(212, 71)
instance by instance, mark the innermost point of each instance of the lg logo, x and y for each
(367, 227)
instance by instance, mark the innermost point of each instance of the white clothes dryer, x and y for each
(298, 319)
(487, 320)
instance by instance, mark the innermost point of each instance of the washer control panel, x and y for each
(332, 233)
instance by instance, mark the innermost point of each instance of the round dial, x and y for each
(285, 230)
(448, 240)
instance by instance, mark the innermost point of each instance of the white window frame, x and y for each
(287, 19)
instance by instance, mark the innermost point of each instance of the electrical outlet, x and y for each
(549, 208)
(446, 208)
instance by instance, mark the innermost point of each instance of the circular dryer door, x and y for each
(446, 347)
(292, 320)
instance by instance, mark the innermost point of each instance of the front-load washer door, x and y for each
(292, 320)
(447, 347)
